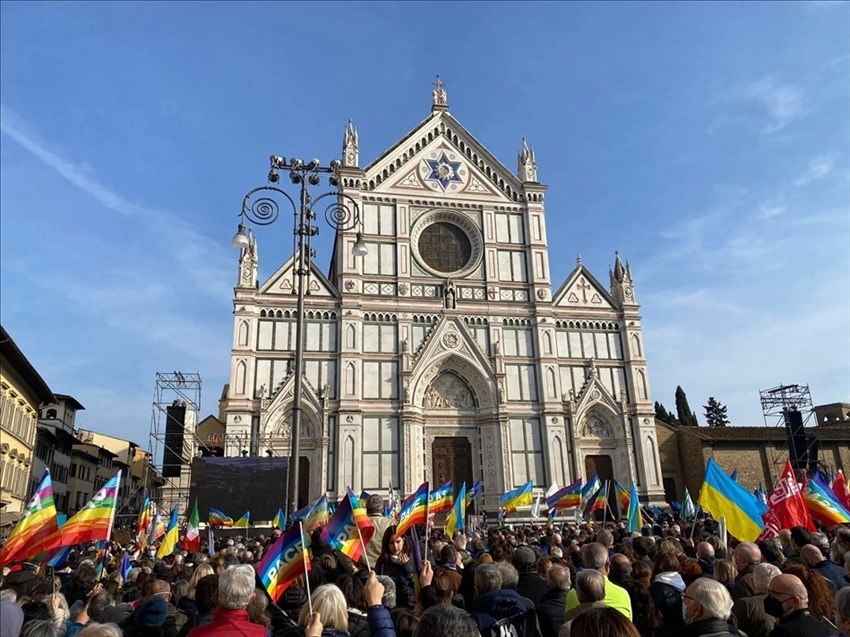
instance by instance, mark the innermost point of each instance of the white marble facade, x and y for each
(448, 333)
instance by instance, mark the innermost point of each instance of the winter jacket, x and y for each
(831, 572)
(504, 604)
(402, 575)
(550, 612)
(666, 592)
(228, 622)
(750, 616)
(380, 622)
(358, 624)
(532, 586)
(709, 628)
(800, 623)
(744, 586)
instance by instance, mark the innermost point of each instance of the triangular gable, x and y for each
(283, 281)
(282, 396)
(441, 168)
(484, 171)
(582, 290)
(450, 340)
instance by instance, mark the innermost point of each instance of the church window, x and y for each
(547, 342)
(243, 333)
(518, 342)
(350, 380)
(653, 459)
(379, 219)
(527, 451)
(641, 381)
(509, 229)
(511, 265)
(380, 337)
(380, 379)
(240, 377)
(636, 345)
(522, 382)
(551, 387)
(380, 452)
(351, 337)
(320, 336)
(380, 259)
(321, 373)
(445, 247)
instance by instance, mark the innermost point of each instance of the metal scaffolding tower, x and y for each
(790, 407)
(172, 442)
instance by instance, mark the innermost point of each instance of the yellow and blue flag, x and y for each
(169, 541)
(521, 496)
(243, 522)
(635, 514)
(457, 518)
(723, 497)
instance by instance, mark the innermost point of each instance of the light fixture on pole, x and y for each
(261, 207)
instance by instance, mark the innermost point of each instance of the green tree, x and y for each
(715, 413)
(683, 410)
(663, 415)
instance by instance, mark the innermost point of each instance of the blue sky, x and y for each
(708, 143)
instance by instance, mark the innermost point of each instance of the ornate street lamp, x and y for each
(261, 207)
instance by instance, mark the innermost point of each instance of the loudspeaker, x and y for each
(794, 422)
(172, 456)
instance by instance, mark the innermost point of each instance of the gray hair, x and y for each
(329, 601)
(595, 555)
(133, 575)
(389, 599)
(605, 538)
(713, 597)
(842, 603)
(236, 587)
(762, 574)
(488, 578)
(821, 541)
(445, 619)
(510, 576)
(8, 595)
(590, 586)
(38, 628)
(93, 629)
(558, 578)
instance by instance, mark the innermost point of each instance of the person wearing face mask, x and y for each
(706, 609)
(788, 601)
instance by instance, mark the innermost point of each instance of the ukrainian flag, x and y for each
(723, 497)
(521, 496)
(171, 537)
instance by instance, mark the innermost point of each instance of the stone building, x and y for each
(54, 446)
(757, 453)
(22, 390)
(447, 352)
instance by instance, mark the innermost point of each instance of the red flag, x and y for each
(839, 488)
(787, 507)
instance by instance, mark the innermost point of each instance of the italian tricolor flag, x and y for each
(192, 541)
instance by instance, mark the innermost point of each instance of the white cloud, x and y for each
(818, 168)
(197, 255)
(783, 102)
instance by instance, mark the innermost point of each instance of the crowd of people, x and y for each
(569, 580)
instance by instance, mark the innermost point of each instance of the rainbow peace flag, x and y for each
(623, 496)
(283, 562)
(171, 536)
(144, 519)
(218, 519)
(92, 522)
(36, 524)
(597, 502)
(822, 503)
(565, 498)
(413, 510)
(521, 496)
(441, 498)
(318, 514)
(348, 525)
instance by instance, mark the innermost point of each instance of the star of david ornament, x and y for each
(443, 171)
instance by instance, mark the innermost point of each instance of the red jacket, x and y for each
(229, 622)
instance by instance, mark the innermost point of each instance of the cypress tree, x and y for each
(683, 410)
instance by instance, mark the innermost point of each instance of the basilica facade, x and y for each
(445, 353)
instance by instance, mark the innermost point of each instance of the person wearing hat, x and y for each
(530, 584)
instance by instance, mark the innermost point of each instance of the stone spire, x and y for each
(248, 263)
(526, 163)
(622, 287)
(350, 147)
(438, 96)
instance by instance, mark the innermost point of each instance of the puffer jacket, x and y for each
(503, 604)
(666, 592)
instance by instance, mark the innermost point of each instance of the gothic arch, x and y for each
(241, 374)
(480, 384)
(350, 379)
(351, 337)
(449, 391)
(653, 460)
(242, 339)
(348, 463)
(547, 342)
(641, 383)
(551, 383)
(598, 424)
(636, 345)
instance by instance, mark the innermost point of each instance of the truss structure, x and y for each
(170, 389)
(775, 404)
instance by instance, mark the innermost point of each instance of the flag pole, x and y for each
(427, 503)
(605, 510)
(306, 569)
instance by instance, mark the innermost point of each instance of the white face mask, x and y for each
(685, 617)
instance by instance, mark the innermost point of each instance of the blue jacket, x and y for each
(491, 607)
(380, 621)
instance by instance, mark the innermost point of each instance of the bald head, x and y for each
(747, 554)
(705, 550)
(790, 591)
(811, 555)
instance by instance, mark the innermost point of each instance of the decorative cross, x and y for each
(584, 286)
(439, 84)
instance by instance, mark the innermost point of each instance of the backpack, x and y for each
(514, 622)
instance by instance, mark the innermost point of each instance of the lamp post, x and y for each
(261, 206)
